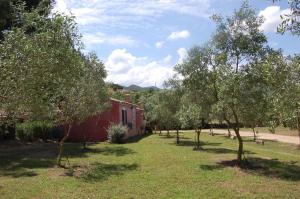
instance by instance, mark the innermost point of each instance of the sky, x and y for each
(140, 41)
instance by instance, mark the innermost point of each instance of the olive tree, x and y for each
(44, 76)
(238, 41)
(191, 115)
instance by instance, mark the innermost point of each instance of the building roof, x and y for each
(125, 102)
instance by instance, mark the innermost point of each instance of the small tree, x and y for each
(190, 116)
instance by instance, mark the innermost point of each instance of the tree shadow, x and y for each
(167, 137)
(211, 167)
(193, 143)
(116, 151)
(22, 159)
(272, 168)
(225, 151)
(137, 138)
(100, 171)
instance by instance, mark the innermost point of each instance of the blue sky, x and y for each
(140, 41)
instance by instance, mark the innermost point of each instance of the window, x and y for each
(124, 117)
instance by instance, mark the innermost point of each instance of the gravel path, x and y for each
(265, 136)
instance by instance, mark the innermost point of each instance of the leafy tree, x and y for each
(198, 83)
(238, 42)
(287, 95)
(191, 115)
(291, 21)
(7, 11)
(45, 77)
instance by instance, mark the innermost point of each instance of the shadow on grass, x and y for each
(271, 168)
(137, 138)
(193, 143)
(100, 172)
(116, 151)
(21, 160)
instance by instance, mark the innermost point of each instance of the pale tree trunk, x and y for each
(155, 129)
(177, 136)
(61, 144)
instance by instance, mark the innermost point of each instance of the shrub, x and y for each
(117, 133)
(32, 131)
(7, 131)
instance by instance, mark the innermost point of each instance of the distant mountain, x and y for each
(134, 87)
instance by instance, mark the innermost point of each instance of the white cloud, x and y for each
(130, 13)
(120, 61)
(101, 38)
(179, 35)
(159, 44)
(125, 69)
(182, 53)
(60, 6)
(272, 18)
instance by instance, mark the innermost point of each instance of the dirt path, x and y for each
(266, 136)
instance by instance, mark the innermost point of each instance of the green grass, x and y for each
(152, 167)
(279, 130)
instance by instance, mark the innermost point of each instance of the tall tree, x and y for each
(44, 76)
(238, 42)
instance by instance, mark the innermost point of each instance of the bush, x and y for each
(7, 131)
(117, 133)
(32, 131)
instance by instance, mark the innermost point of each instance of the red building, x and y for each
(120, 112)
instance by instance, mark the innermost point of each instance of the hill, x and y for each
(134, 87)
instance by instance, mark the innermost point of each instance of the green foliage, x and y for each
(190, 116)
(117, 133)
(7, 16)
(272, 126)
(44, 76)
(32, 131)
(291, 21)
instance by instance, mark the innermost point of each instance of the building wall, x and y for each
(95, 128)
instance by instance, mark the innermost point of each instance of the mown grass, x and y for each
(152, 167)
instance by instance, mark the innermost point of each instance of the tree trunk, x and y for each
(168, 132)
(155, 129)
(298, 125)
(229, 133)
(177, 136)
(159, 131)
(211, 131)
(254, 134)
(240, 150)
(61, 145)
(198, 139)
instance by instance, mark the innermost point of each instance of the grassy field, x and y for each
(278, 130)
(151, 167)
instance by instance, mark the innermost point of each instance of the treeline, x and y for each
(44, 75)
(236, 79)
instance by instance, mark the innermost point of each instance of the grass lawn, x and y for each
(152, 167)
(278, 130)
